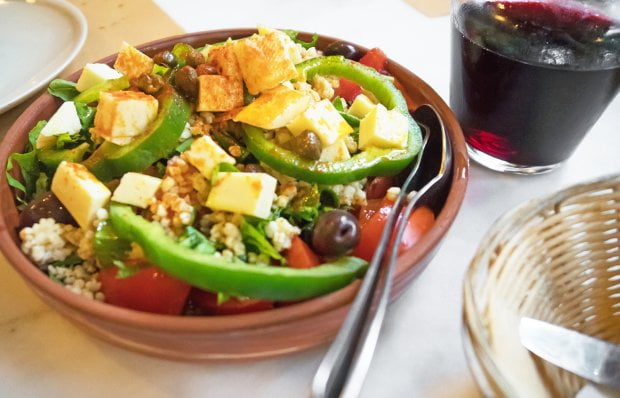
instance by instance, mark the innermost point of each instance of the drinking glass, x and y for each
(531, 77)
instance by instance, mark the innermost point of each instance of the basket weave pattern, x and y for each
(556, 259)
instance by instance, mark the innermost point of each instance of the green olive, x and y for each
(335, 233)
(307, 145)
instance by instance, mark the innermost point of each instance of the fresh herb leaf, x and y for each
(222, 167)
(86, 114)
(184, 146)
(63, 89)
(29, 168)
(108, 247)
(42, 185)
(195, 240)
(339, 105)
(126, 271)
(68, 262)
(34, 134)
(66, 140)
(293, 35)
(255, 239)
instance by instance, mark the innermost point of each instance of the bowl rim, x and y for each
(41, 283)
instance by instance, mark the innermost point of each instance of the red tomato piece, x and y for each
(150, 290)
(371, 228)
(371, 207)
(299, 255)
(375, 58)
(347, 90)
(207, 302)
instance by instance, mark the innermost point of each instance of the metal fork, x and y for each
(344, 367)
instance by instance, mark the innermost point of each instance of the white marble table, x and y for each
(420, 350)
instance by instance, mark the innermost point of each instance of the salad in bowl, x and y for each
(235, 177)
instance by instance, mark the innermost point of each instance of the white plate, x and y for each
(38, 39)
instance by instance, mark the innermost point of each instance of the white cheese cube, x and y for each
(93, 74)
(136, 189)
(361, 106)
(384, 129)
(80, 192)
(246, 193)
(324, 120)
(65, 120)
(205, 154)
(336, 152)
(131, 62)
(123, 115)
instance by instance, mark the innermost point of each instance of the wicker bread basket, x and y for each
(556, 259)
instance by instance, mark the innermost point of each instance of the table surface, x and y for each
(420, 350)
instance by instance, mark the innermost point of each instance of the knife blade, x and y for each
(591, 358)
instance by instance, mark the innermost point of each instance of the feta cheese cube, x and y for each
(93, 74)
(217, 93)
(205, 154)
(384, 129)
(274, 108)
(336, 152)
(80, 192)
(361, 106)
(123, 115)
(131, 62)
(246, 193)
(265, 61)
(324, 120)
(65, 120)
(136, 189)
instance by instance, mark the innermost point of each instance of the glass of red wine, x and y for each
(531, 77)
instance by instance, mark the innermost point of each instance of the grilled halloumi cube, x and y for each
(217, 93)
(223, 58)
(64, 120)
(292, 47)
(246, 193)
(80, 192)
(336, 152)
(324, 120)
(274, 108)
(205, 154)
(361, 106)
(123, 115)
(265, 61)
(384, 129)
(136, 189)
(93, 74)
(131, 62)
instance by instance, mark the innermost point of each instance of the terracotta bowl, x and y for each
(274, 332)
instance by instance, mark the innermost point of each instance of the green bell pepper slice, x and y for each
(235, 278)
(372, 161)
(161, 138)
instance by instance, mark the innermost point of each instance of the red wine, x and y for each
(529, 79)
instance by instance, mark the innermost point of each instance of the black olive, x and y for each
(165, 58)
(307, 145)
(344, 49)
(45, 206)
(186, 80)
(194, 58)
(335, 233)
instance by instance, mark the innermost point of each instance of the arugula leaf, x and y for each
(339, 105)
(222, 167)
(194, 239)
(68, 262)
(293, 35)
(254, 238)
(86, 114)
(108, 247)
(63, 89)
(29, 167)
(34, 134)
(66, 140)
